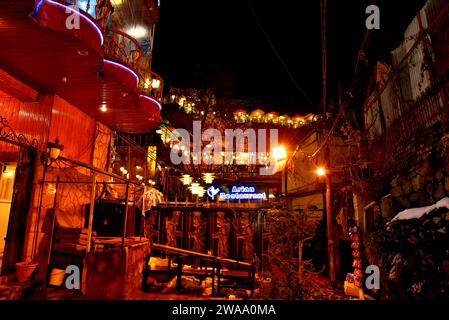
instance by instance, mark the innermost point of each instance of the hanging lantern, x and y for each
(186, 179)
(272, 117)
(284, 119)
(257, 115)
(182, 100)
(155, 83)
(208, 177)
(201, 191)
(194, 188)
(298, 120)
(240, 115)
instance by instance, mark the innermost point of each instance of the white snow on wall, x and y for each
(417, 213)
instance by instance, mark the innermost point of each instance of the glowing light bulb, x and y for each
(321, 172)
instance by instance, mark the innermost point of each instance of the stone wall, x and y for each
(426, 178)
(115, 273)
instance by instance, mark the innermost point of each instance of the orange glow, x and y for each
(280, 153)
(321, 172)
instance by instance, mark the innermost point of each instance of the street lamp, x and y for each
(280, 153)
(323, 172)
(320, 172)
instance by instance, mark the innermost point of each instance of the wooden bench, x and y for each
(241, 274)
(181, 256)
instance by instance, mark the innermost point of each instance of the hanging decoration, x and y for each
(354, 281)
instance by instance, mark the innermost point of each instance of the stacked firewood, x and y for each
(70, 243)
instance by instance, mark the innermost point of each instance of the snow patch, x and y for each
(417, 213)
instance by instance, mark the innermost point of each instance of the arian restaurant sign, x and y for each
(235, 193)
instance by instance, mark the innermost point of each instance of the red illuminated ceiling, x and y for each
(71, 66)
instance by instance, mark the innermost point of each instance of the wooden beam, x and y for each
(17, 89)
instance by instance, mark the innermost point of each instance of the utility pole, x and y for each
(330, 231)
(329, 213)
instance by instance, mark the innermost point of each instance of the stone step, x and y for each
(8, 292)
(12, 290)
(6, 278)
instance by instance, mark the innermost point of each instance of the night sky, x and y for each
(204, 43)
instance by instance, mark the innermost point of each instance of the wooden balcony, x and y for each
(93, 69)
(122, 48)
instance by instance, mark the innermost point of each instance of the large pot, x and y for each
(25, 271)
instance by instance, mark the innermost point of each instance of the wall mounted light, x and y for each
(54, 149)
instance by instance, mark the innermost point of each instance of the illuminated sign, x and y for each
(236, 192)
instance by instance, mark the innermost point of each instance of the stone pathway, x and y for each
(320, 288)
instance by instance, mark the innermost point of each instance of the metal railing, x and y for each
(123, 48)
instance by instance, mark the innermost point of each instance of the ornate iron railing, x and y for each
(99, 10)
(7, 134)
(123, 48)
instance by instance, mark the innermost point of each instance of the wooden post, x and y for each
(125, 218)
(51, 235)
(91, 213)
(89, 232)
(39, 212)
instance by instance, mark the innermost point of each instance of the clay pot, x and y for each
(25, 271)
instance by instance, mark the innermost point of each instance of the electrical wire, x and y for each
(349, 96)
(276, 52)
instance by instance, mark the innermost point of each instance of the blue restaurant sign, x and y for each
(235, 193)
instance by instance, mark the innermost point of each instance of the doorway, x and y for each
(16, 182)
(7, 178)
